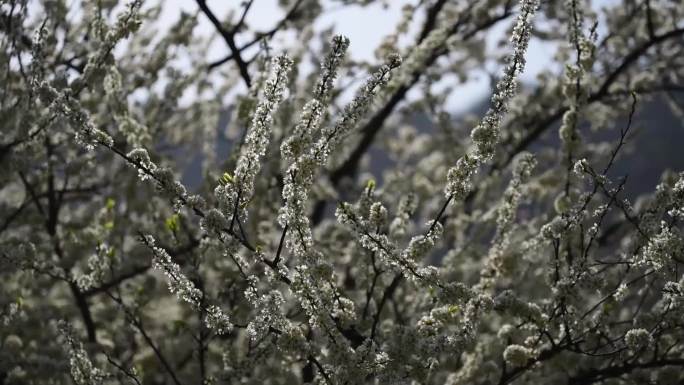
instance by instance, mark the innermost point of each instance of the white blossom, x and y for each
(485, 135)
(661, 249)
(83, 371)
(638, 339)
(543, 263)
(13, 343)
(62, 103)
(353, 111)
(517, 355)
(185, 289)
(259, 133)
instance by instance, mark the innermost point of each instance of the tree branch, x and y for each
(229, 37)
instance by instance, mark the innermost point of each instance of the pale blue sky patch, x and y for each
(366, 27)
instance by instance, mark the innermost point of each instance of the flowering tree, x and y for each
(478, 256)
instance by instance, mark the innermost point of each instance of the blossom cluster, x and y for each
(259, 131)
(186, 290)
(485, 135)
(83, 371)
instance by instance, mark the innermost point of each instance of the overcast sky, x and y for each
(365, 27)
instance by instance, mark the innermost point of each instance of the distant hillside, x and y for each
(656, 144)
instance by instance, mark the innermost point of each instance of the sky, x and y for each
(365, 27)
